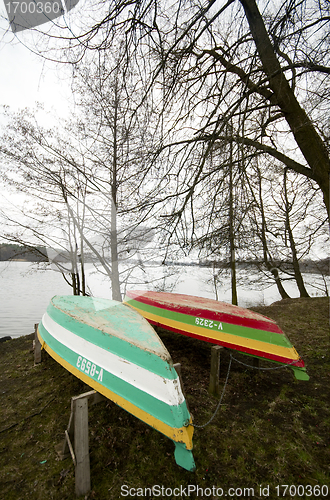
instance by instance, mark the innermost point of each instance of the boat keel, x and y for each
(183, 457)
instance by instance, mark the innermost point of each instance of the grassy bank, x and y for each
(271, 429)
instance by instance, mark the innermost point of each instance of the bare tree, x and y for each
(204, 67)
(108, 91)
(260, 224)
(74, 182)
(288, 228)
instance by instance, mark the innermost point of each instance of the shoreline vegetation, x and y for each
(270, 430)
(14, 252)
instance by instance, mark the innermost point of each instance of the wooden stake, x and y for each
(37, 346)
(81, 446)
(68, 441)
(77, 432)
(214, 387)
(256, 362)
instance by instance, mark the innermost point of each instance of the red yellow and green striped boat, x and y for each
(114, 350)
(219, 323)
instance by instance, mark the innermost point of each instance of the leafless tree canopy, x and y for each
(231, 102)
(264, 66)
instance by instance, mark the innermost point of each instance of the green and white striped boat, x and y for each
(113, 349)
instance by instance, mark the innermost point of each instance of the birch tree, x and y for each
(74, 179)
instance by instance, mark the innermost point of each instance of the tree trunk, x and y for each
(83, 278)
(231, 232)
(270, 265)
(115, 284)
(268, 261)
(295, 261)
(306, 136)
(74, 284)
(277, 279)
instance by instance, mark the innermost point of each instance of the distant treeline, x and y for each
(321, 266)
(11, 251)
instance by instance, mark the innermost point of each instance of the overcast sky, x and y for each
(25, 77)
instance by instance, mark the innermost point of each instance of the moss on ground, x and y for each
(271, 429)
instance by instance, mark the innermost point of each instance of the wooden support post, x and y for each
(65, 448)
(81, 446)
(77, 433)
(256, 362)
(37, 346)
(214, 387)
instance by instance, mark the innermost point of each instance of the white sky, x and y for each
(25, 77)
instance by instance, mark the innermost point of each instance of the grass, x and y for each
(271, 429)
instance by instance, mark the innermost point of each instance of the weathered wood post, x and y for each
(37, 346)
(256, 362)
(77, 433)
(214, 387)
(81, 445)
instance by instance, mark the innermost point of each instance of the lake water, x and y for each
(24, 296)
(25, 291)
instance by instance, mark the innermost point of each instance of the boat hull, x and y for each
(118, 354)
(219, 323)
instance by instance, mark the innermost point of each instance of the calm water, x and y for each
(25, 292)
(24, 296)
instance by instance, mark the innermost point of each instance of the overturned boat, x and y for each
(219, 323)
(114, 350)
